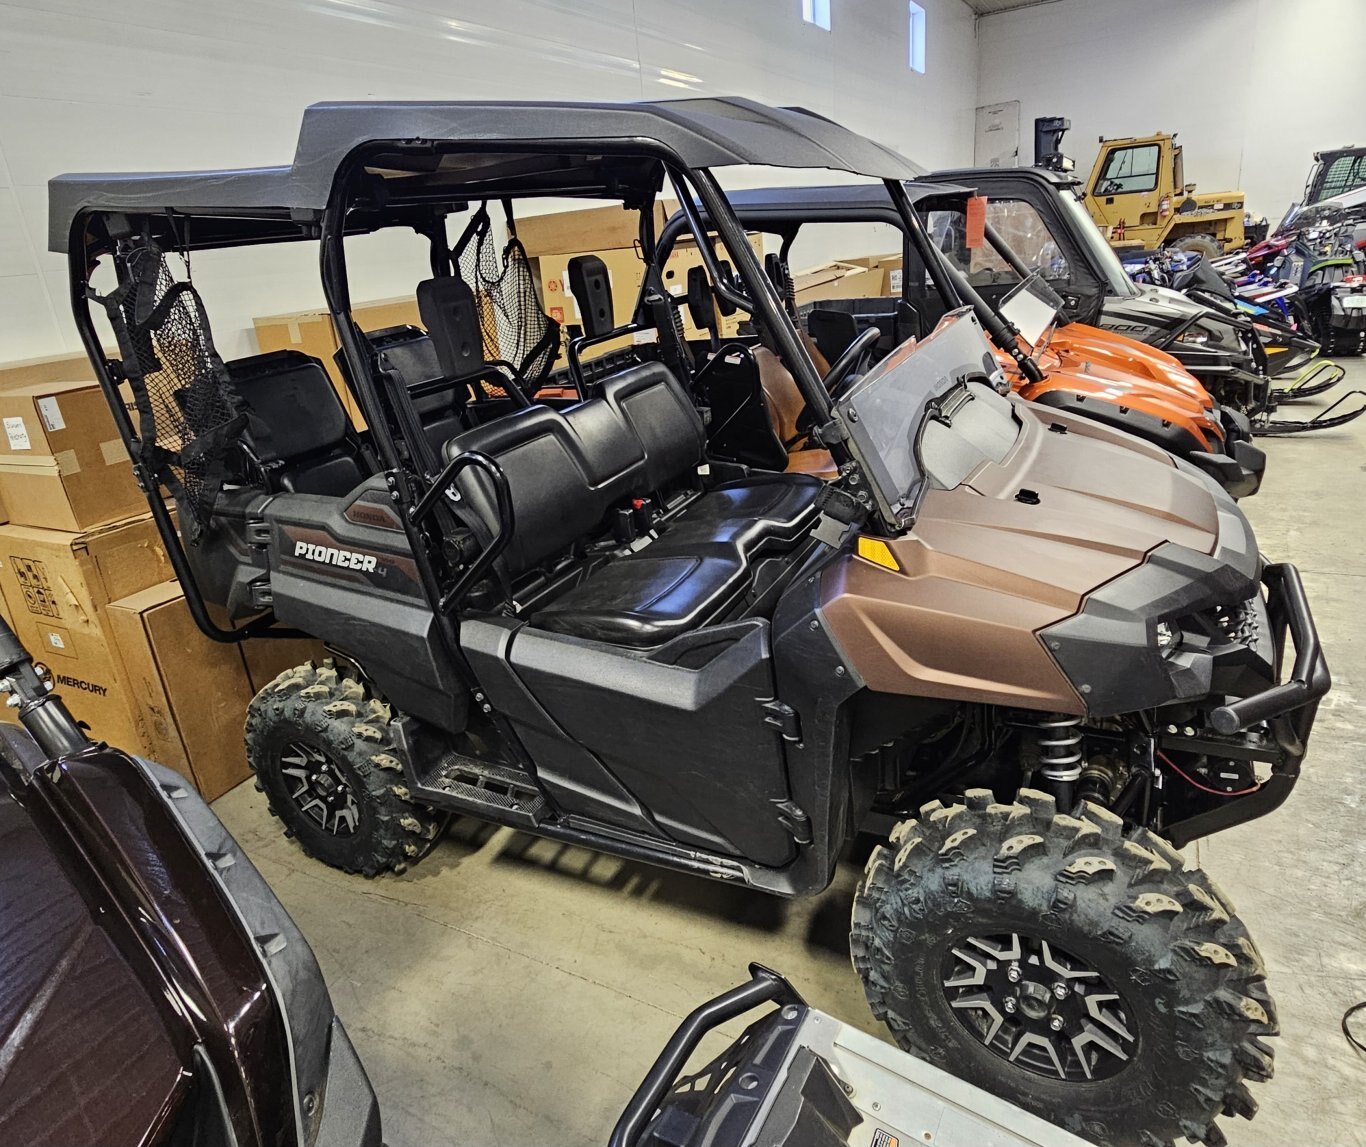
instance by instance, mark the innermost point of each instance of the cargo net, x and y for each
(185, 414)
(514, 326)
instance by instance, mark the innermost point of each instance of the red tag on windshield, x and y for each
(977, 221)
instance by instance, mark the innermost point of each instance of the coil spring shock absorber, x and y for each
(1061, 756)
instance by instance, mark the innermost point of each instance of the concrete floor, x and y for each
(512, 991)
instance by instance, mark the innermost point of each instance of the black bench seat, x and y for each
(567, 471)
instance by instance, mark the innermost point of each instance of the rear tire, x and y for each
(1205, 245)
(324, 755)
(1083, 974)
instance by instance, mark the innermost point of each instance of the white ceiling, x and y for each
(988, 7)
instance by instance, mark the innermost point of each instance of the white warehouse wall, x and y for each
(1252, 87)
(187, 84)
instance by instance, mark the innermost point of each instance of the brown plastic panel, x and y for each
(982, 572)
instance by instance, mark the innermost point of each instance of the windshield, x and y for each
(923, 417)
(1348, 206)
(1102, 255)
(1130, 169)
(1342, 173)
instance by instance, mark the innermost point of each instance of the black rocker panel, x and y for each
(682, 730)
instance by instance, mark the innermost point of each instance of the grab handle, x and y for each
(495, 546)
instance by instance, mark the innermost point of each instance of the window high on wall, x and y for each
(917, 37)
(817, 12)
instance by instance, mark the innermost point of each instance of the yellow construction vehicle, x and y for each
(1138, 195)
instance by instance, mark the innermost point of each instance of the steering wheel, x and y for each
(853, 357)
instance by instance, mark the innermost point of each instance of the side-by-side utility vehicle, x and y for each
(1252, 363)
(1047, 357)
(151, 970)
(579, 616)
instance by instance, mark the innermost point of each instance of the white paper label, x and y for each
(55, 640)
(571, 304)
(895, 277)
(17, 433)
(646, 336)
(51, 413)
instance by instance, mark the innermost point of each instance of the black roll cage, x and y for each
(347, 212)
(953, 288)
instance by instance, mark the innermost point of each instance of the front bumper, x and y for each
(1287, 710)
(1297, 697)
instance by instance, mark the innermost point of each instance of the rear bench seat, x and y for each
(567, 471)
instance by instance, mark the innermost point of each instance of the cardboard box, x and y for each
(189, 695)
(266, 658)
(886, 267)
(56, 588)
(836, 280)
(313, 333)
(53, 368)
(63, 465)
(595, 229)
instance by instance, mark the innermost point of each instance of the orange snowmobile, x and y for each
(1047, 358)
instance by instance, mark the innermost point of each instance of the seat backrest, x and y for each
(451, 315)
(298, 426)
(553, 501)
(650, 400)
(591, 287)
(408, 352)
(567, 471)
(835, 323)
(410, 356)
(741, 428)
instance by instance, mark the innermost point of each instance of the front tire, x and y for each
(1205, 245)
(1083, 974)
(325, 757)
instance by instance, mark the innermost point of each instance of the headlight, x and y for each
(1168, 637)
(1202, 332)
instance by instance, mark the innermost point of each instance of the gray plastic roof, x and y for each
(841, 199)
(704, 132)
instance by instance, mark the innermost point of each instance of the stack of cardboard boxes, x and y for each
(86, 584)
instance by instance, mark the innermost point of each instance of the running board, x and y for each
(1324, 420)
(1316, 378)
(495, 792)
(505, 795)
